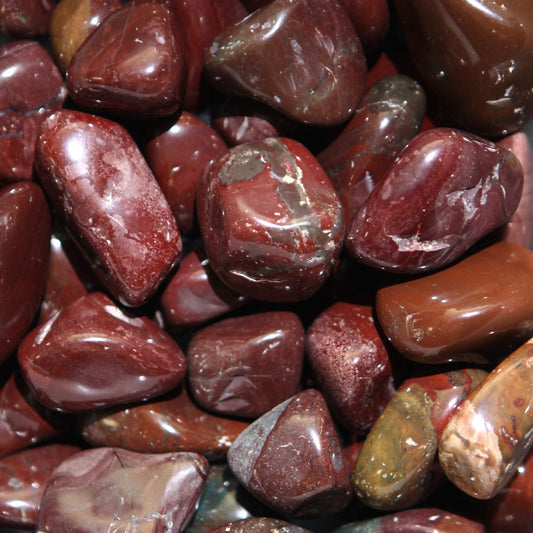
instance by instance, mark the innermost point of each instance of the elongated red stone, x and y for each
(92, 355)
(102, 187)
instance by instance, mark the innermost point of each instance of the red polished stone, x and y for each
(271, 222)
(247, 365)
(25, 18)
(31, 89)
(350, 364)
(25, 229)
(301, 57)
(92, 355)
(291, 459)
(109, 489)
(23, 477)
(445, 190)
(177, 157)
(101, 186)
(132, 63)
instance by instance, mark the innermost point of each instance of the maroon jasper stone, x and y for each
(100, 184)
(445, 190)
(247, 365)
(109, 488)
(301, 57)
(91, 355)
(25, 18)
(292, 460)
(31, 89)
(25, 229)
(131, 63)
(270, 219)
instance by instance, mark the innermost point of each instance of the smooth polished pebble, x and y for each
(109, 489)
(25, 18)
(92, 355)
(101, 186)
(259, 525)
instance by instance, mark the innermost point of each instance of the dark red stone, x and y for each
(445, 190)
(247, 365)
(132, 63)
(102, 187)
(291, 459)
(301, 57)
(25, 18)
(271, 222)
(91, 355)
(109, 488)
(177, 157)
(23, 477)
(25, 229)
(350, 364)
(31, 89)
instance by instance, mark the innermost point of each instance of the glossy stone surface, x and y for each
(291, 459)
(25, 229)
(72, 22)
(302, 58)
(133, 63)
(350, 364)
(259, 525)
(92, 355)
(177, 157)
(25, 18)
(31, 89)
(484, 80)
(492, 431)
(109, 489)
(480, 305)
(271, 222)
(247, 365)
(101, 186)
(445, 190)
(23, 477)
(172, 423)
(387, 118)
(395, 467)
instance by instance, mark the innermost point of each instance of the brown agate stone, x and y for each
(479, 305)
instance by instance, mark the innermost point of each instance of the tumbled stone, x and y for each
(491, 432)
(132, 63)
(99, 183)
(291, 459)
(259, 525)
(480, 305)
(303, 58)
(445, 190)
(25, 18)
(350, 364)
(92, 355)
(271, 222)
(247, 365)
(106, 489)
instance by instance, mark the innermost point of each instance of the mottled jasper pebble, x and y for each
(259, 525)
(23, 477)
(72, 22)
(484, 80)
(194, 294)
(247, 365)
(31, 89)
(25, 230)
(177, 157)
(480, 305)
(109, 489)
(271, 222)
(99, 183)
(350, 364)
(301, 57)
(491, 432)
(445, 190)
(131, 63)
(387, 118)
(25, 18)
(291, 459)
(173, 423)
(395, 466)
(92, 355)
